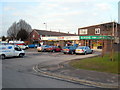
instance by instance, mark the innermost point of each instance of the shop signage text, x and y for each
(61, 38)
(95, 37)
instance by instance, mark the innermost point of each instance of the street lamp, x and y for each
(45, 25)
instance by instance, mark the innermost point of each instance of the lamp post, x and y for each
(45, 25)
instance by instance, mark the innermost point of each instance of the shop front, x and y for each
(95, 42)
(61, 40)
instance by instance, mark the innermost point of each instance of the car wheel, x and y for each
(85, 53)
(21, 55)
(72, 52)
(2, 57)
(64, 53)
(53, 51)
(91, 52)
(44, 50)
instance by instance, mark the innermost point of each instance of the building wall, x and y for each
(34, 36)
(105, 29)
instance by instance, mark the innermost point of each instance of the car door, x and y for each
(17, 49)
(89, 50)
(9, 51)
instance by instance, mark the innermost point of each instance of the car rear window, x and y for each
(80, 47)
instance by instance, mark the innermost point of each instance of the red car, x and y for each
(53, 49)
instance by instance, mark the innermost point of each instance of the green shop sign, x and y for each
(95, 37)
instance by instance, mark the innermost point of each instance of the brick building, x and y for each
(98, 35)
(35, 35)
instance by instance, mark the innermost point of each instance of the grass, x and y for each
(98, 64)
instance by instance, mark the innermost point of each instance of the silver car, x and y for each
(42, 48)
(83, 50)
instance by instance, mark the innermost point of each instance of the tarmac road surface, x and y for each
(18, 72)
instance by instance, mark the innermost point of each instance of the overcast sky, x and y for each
(60, 15)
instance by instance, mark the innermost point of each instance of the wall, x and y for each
(105, 29)
(36, 36)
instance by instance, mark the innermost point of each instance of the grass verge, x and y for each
(98, 64)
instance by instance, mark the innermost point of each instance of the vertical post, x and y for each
(45, 25)
(102, 47)
(112, 49)
(111, 55)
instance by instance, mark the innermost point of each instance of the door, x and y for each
(9, 51)
(17, 50)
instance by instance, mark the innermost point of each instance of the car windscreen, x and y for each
(68, 47)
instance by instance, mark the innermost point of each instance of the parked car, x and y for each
(42, 48)
(69, 49)
(33, 45)
(53, 49)
(49, 49)
(57, 49)
(83, 50)
(21, 44)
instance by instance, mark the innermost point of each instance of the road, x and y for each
(19, 73)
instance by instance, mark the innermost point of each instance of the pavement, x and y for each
(66, 72)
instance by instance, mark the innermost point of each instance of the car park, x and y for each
(83, 50)
(69, 49)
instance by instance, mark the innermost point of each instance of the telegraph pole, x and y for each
(112, 48)
(45, 25)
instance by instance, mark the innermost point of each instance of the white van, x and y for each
(21, 44)
(10, 51)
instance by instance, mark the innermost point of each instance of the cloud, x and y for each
(103, 6)
(66, 15)
(8, 8)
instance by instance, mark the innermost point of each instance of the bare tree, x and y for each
(12, 31)
(19, 30)
(3, 38)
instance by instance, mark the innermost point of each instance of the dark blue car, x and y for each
(33, 45)
(69, 49)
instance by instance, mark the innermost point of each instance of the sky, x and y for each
(59, 15)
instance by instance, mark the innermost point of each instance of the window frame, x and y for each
(97, 30)
(83, 31)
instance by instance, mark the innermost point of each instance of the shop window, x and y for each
(83, 31)
(97, 30)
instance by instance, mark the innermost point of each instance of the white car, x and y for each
(42, 48)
